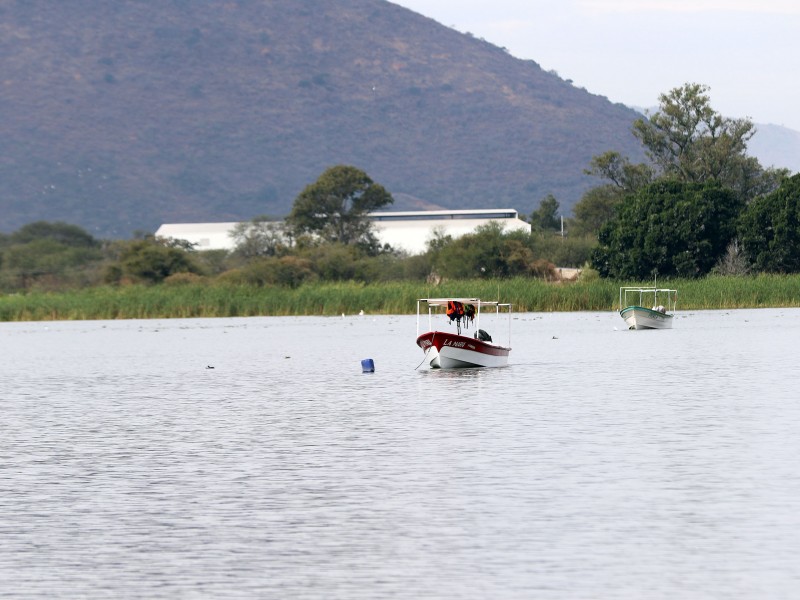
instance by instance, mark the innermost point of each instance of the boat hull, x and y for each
(451, 351)
(639, 317)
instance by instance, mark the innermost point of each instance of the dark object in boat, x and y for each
(483, 336)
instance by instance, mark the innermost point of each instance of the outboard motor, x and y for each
(483, 336)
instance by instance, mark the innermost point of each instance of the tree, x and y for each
(260, 236)
(152, 261)
(669, 228)
(595, 209)
(769, 229)
(546, 217)
(490, 252)
(624, 176)
(687, 140)
(50, 255)
(60, 232)
(596, 206)
(286, 271)
(48, 262)
(335, 207)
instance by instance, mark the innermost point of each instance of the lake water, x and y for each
(601, 463)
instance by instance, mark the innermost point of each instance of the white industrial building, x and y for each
(406, 230)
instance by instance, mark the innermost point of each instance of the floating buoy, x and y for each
(367, 366)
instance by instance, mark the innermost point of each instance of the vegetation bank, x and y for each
(192, 300)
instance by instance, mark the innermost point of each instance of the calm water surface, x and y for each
(601, 463)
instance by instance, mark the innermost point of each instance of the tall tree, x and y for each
(546, 217)
(769, 229)
(689, 141)
(669, 228)
(335, 207)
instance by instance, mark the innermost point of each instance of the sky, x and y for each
(631, 51)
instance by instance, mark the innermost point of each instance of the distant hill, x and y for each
(119, 116)
(776, 146)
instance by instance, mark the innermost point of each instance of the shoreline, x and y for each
(388, 298)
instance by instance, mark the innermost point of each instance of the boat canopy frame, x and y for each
(434, 303)
(645, 292)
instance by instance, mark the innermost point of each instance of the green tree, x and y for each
(477, 254)
(769, 229)
(687, 140)
(570, 251)
(546, 217)
(335, 207)
(49, 255)
(596, 206)
(438, 240)
(622, 175)
(669, 228)
(260, 236)
(60, 232)
(151, 261)
(286, 271)
(595, 209)
(490, 252)
(335, 262)
(48, 263)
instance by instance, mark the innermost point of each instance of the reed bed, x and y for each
(527, 295)
(758, 291)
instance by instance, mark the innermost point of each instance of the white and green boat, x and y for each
(633, 302)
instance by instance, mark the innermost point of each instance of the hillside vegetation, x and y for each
(119, 116)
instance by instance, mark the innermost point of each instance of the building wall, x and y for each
(207, 236)
(408, 231)
(411, 231)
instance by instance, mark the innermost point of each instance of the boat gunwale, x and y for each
(634, 307)
(495, 349)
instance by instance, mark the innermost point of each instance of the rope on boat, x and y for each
(423, 359)
(426, 353)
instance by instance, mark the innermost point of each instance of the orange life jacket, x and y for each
(455, 310)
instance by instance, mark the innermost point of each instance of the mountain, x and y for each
(776, 146)
(119, 116)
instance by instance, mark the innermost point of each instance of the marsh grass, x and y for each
(527, 295)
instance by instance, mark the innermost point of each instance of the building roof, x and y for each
(405, 230)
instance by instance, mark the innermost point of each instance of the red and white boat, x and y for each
(454, 350)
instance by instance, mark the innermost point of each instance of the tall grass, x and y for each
(758, 291)
(527, 295)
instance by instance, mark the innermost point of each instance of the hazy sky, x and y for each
(631, 51)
